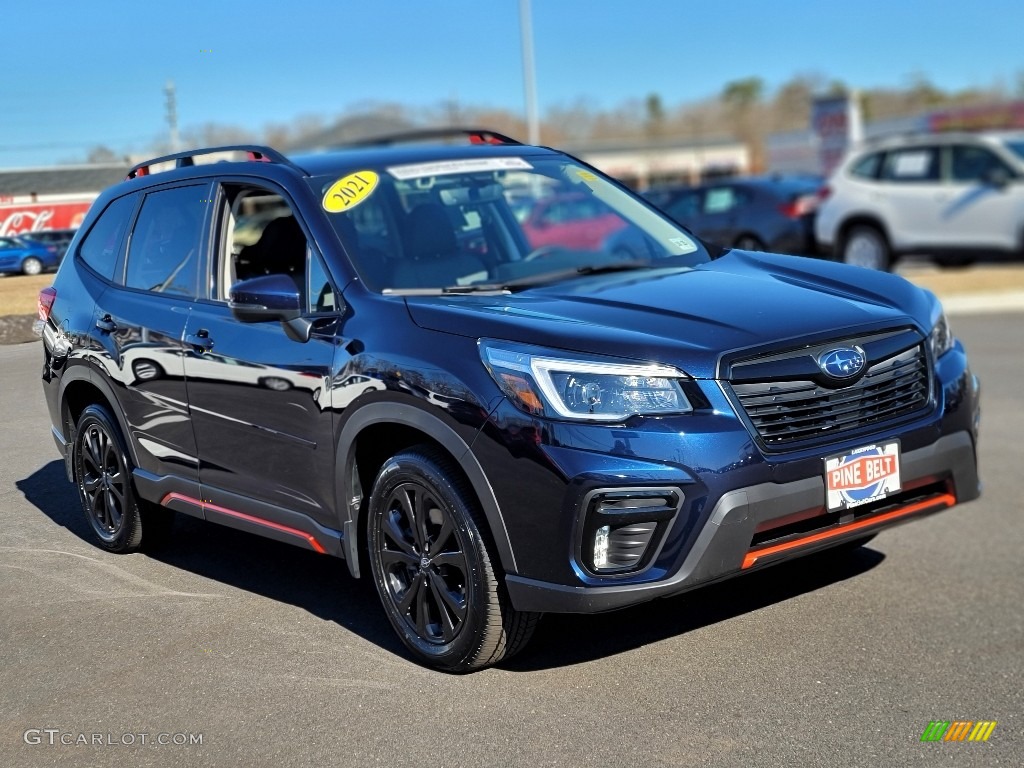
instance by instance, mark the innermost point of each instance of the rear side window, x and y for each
(867, 166)
(164, 253)
(920, 164)
(724, 199)
(100, 247)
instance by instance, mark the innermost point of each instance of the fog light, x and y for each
(601, 546)
(622, 528)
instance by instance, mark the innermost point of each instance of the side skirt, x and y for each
(239, 512)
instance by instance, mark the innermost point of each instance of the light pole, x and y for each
(529, 78)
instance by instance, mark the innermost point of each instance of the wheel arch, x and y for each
(80, 387)
(375, 433)
(857, 219)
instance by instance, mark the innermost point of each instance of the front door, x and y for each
(259, 399)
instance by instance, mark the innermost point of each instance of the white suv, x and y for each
(951, 196)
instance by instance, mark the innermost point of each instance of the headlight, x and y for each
(548, 385)
(941, 338)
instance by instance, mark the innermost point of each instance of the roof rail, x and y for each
(256, 153)
(475, 136)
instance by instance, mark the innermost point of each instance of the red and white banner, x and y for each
(22, 218)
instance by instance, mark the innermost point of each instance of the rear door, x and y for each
(913, 196)
(141, 320)
(259, 399)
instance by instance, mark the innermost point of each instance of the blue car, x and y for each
(388, 367)
(20, 254)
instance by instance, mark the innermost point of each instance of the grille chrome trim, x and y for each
(784, 412)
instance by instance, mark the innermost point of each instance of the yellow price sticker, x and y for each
(350, 191)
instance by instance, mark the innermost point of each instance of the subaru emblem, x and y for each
(842, 363)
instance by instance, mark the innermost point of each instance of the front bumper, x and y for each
(944, 473)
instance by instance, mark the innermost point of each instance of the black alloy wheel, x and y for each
(432, 569)
(103, 472)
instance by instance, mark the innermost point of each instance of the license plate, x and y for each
(861, 476)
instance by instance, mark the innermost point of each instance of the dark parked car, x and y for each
(60, 239)
(486, 429)
(19, 254)
(756, 214)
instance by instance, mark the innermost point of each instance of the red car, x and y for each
(579, 222)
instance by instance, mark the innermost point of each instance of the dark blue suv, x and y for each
(361, 353)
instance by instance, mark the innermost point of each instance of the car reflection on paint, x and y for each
(345, 390)
(148, 363)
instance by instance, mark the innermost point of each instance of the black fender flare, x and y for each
(86, 371)
(448, 438)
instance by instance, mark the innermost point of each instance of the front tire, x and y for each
(866, 246)
(31, 266)
(440, 587)
(103, 472)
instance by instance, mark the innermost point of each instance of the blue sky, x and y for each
(79, 74)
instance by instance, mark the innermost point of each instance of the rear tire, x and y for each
(31, 266)
(436, 578)
(865, 246)
(748, 243)
(120, 521)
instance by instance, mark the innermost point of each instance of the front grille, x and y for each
(786, 412)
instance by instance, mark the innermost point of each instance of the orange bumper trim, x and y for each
(944, 500)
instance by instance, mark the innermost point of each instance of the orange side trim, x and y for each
(205, 505)
(944, 500)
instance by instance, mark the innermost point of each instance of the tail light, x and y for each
(46, 298)
(824, 193)
(800, 206)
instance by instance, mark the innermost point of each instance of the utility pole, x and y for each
(529, 77)
(172, 115)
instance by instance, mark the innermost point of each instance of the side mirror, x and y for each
(267, 297)
(996, 177)
(275, 297)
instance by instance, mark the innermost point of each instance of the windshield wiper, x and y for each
(563, 274)
(507, 286)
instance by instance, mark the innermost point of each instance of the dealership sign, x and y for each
(835, 122)
(22, 218)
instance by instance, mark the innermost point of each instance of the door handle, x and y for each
(200, 340)
(106, 324)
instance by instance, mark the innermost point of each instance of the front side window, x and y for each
(477, 223)
(975, 165)
(163, 255)
(686, 206)
(260, 235)
(100, 247)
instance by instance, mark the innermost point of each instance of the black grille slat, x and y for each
(834, 414)
(831, 400)
(785, 412)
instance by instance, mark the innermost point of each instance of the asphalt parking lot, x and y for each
(270, 655)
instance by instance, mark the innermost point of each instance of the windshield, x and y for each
(1017, 147)
(495, 222)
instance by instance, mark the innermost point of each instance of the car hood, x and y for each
(689, 318)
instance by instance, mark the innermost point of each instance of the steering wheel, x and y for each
(540, 253)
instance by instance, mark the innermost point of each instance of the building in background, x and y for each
(36, 199)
